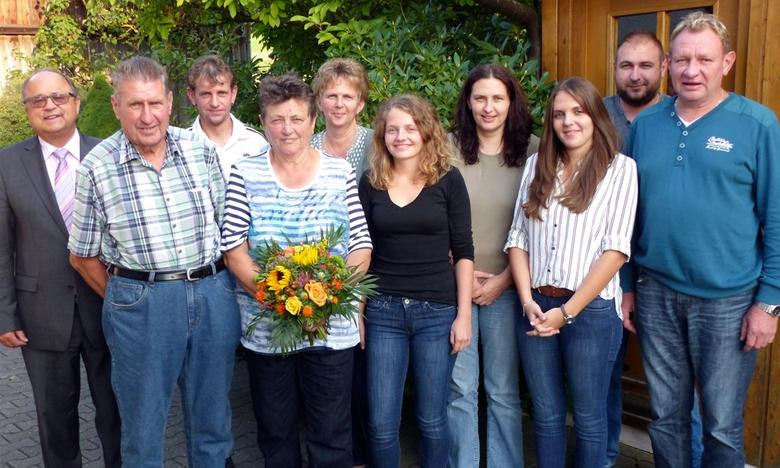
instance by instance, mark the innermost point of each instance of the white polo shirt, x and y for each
(245, 141)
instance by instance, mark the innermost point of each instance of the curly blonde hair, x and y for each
(437, 151)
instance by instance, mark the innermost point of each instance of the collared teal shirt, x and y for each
(130, 215)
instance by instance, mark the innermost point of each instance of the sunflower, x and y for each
(304, 255)
(278, 278)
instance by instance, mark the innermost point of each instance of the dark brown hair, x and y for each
(278, 89)
(593, 166)
(517, 129)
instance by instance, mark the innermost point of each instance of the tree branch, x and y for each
(522, 14)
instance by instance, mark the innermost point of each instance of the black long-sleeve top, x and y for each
(412, 244)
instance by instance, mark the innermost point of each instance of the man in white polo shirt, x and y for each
(212, 89)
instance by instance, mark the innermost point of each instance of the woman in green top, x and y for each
(493, 134)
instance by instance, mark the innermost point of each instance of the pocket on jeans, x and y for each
(125, 294)
(438, 306)
(377, 304)
(225, 281)
(601, 306)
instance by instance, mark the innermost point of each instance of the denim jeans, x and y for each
(170, 332)
(686, 339)
(400, 331)
(615, 414)
(582, 356)
(495, 326)
(317, 383)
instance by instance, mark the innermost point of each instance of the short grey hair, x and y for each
(141, 68)
(698, 21)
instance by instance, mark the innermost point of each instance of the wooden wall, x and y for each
(19, 20)
(577, 39)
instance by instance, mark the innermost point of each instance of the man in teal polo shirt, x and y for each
(707, 246)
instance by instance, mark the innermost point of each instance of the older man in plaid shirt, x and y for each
(149, 204)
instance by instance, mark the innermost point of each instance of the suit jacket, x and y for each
(38, 287)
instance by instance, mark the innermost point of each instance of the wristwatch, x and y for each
(773, 310)
(567, 318)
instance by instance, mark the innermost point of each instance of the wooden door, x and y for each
(580, 37)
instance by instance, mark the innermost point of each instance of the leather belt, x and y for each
(191, 274)
(551, 291)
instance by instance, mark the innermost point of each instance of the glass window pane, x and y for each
(630, 23)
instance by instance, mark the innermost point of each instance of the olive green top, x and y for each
(493, 191)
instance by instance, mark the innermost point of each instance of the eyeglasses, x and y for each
(39, 101)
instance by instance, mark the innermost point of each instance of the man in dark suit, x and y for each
(46, 308)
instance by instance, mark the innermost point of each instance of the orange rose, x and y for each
(307, 311)
(280, 308)
(316, 292)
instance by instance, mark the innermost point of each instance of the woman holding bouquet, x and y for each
(570, 235)
(290, 194)
(417, 210)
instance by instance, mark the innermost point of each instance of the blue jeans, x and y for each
(686, 339)
(314, 383)
(615, 415)
(161, 334)
(400, 330)
(495, 325)
(582, 356)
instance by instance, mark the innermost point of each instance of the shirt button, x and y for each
(553, 248)
(555, 225)
(678, 122)
(679, 158)
(548, 270)
(406, 301)
(685, 132)
(682, 145)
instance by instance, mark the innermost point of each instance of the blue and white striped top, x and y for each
(260, 208)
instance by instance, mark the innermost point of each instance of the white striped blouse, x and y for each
(563, 246)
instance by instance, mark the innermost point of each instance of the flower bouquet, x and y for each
(302, 286)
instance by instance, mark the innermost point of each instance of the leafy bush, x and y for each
(97, 117)
(429, 49)
(15, 127)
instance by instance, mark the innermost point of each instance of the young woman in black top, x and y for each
(417, 209)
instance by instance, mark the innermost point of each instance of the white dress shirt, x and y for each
(74, 160)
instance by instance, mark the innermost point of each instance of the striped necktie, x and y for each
(64, 186)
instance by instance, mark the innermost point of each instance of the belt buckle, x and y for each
(189, 274)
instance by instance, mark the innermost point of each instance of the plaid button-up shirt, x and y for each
(130, 215)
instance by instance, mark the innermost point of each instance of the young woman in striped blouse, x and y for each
(570, 235)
